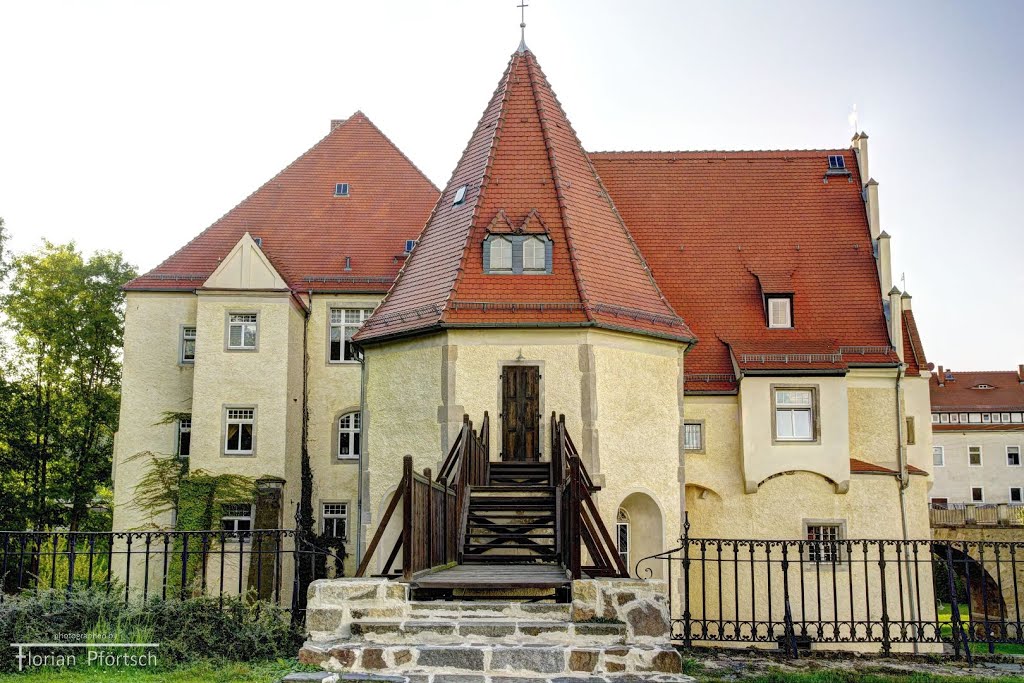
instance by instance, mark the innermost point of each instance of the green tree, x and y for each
(66, 316)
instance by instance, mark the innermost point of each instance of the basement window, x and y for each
(341, 189)
(836, 161)
(780, 311)
(236, 518)
(1015, 494)
(460, 195)
(824, 544)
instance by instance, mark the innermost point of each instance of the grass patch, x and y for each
(203, 672)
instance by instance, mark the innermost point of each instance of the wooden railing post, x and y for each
(574, 517)
(409, 552)
(429, 519)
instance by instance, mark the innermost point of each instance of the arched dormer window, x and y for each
(534, 256)
(500, 250)
(348, 436)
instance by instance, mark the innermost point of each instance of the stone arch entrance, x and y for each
(645, 531)
(973, 584)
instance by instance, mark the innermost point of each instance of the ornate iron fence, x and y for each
(259, 564)
(831, 590)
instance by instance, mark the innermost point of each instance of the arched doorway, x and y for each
(640, 527)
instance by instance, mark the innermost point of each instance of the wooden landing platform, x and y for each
(494, 576)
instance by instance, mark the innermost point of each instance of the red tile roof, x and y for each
(306, 231)
(913, 349)
(958, 393)
(709, 223)
(863, 467)
(524, 166)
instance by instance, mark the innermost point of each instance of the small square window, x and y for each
(940, 503)
(242, 330)
(188, 345)
(836, 161)
(341, 190)
(977, 494)
(986, 418)
(975, 418)
(944, 418)
(460, 195)
(974, 456)
(334, 520)
(938, 456)
(996, 418)
(824, 545)
(954, 418)
(794, 414)
(780, 313)
(1016, 418)
(1016, 494)
(963, 418)
(1013, 456)
(693, 436)
(1006, 418)
(236, 518)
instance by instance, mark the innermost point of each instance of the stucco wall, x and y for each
(153, 383)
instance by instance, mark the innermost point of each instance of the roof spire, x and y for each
(522, 25)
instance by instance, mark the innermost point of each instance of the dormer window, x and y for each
(500, 250)
(518, 254)
(780, 311)
(533, 254)
(836, 161)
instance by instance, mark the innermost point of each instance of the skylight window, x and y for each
(341, 190)
(409, 244)
(836, 161)
(460, 195)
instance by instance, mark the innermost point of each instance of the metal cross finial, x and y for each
(522, 24)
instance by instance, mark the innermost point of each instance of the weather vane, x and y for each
(522, 24)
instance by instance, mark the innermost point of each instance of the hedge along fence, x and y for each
(187, 630)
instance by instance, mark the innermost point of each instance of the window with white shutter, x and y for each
(780, 311)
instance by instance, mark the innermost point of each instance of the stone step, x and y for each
(482, 631)
(418, 662)
(443, 609)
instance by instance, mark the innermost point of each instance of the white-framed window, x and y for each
(794, 414)
(340, 189)
(242, 330)
(334, 520)
(500, 255)
(986, 418)
(184, 437)
(944, 418)
(1016, 494)
(534, 254)
(460, 195)
(345, 322)
(974, 456)
(996, 418)
(825, 547)
(938, 456)
(935, 418)
(963, 418)
(780, 311)
(1006, 418)
(1016, 418)
(239, 426)
(977, 494)
(1013, 456)
(236, 518)
(954, 418)
(693, 436)
(974, 418)
(188, 345)
(349, 441)
(836, 161)
(622, 535)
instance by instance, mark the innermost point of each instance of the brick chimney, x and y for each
(1020, 373)
(942, 376)
(337, 122)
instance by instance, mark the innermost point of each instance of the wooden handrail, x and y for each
(434, 513)
(580, 521)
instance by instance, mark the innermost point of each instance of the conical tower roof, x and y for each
(523, 172)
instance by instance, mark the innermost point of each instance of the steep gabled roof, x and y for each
(710, 224)
(306, 231)
(524, 168)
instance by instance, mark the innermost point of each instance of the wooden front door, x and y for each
(520, 413)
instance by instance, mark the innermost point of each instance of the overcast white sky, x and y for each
(134, 125)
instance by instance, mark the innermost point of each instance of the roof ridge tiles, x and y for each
(610, 152)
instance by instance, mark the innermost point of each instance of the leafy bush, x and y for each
(187, 630)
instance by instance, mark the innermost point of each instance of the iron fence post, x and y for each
(685, 597)
(886, 644)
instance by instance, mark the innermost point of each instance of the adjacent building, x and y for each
(978, 426)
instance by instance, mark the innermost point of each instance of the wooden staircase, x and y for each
(512, 519)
